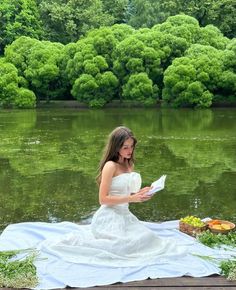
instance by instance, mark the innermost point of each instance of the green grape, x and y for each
(192, 220)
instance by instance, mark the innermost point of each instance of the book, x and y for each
(157, 185)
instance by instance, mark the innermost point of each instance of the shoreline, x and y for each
(117, 104)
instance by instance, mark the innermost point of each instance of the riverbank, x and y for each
(115, 104)
(76, 104)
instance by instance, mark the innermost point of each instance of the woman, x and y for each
(116, 246)
(116, 237)
(118, 159)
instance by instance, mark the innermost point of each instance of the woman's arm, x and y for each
(108, 172)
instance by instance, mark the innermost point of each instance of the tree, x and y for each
(39, 63)
(116, 8)
(187, 28)
(17, 18)
(222, 14)
(18, 52)
(152, 50)
(90, 68)
(66, 21)
(11, 92)
(43, 71)
(141, 13)
(182, 26)
(147, 13)
(194, 79)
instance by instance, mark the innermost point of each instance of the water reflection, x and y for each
(48, 162)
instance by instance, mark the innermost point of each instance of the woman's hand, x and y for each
(141, 195)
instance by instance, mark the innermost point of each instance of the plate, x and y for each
(220, 226)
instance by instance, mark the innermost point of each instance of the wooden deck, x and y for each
(214, 282)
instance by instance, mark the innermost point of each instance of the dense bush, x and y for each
(140, 88)
(90, 68)
(39, 63)
(11, 93)
(195, 78)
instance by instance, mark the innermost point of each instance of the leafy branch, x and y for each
(228, 267)
(217, 240)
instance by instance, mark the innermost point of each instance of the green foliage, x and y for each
(182, 87)
(146, 13)
(141, 53)
(178, 61)
(211, 35)
(216, 240)
(95, 50)
(39, 63)
(228, 269)
(17, 272)
(11, 94)
(128, 57)
(17, 18)
(67, 21)
(122, 31)
(103, 42)
(90, 68)
(18, 52)
(142, 13)
(139, 87)
(165, 47)
(192, 80)
(97, 103)
(222, 14)
(187, 27)
(25, 99)
(95, 90)
(43, 71)
(230, 57)
(116, 8)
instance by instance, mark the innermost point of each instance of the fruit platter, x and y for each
(220, 226)
(192, 225)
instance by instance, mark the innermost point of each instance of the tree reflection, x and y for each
(49, 160)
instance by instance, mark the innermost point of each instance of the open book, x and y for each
(157, 185)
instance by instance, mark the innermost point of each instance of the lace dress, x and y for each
(115, 237)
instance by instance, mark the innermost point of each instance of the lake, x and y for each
(49, 159)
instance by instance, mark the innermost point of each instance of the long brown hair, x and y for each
(115, 141)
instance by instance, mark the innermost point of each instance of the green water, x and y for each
(48, 162)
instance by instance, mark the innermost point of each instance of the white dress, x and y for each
(115, 237)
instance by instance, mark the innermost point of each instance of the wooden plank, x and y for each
(183, 281)
(163, 288)
(214, 282)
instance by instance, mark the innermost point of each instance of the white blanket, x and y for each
(54, 272)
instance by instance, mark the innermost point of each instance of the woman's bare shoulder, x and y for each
(110, 165)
